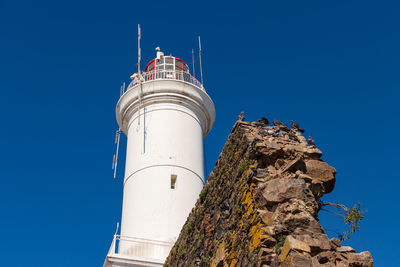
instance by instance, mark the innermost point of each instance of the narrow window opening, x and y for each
(173, 181)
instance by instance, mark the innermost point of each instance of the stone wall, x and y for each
(260, 206)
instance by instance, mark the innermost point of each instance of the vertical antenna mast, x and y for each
(139, 76)
(194, 73)
(139, 51)
(201, 68)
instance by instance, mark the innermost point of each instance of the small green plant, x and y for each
(181, 250)
(244, 165)
(280, 243)
(352, 217)
(205, 260)
(203, 194)
(189, 227)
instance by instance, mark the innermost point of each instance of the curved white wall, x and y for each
(165, 130)
(173, 145)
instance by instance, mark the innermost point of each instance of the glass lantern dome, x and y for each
(168, 63)
(165, 68)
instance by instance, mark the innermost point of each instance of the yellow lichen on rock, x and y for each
(257, 234)
(233, 256)
(233, 263)
(263, 214)
(293, 244)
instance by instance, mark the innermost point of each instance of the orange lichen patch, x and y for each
(249, 171)
(249, 210)
(233, 256)
(257, 234)
(248, 196)
(233, 263)
(248, 201)
(285, 251)
(253, 219)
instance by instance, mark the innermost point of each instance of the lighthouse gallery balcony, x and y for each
(166, 68)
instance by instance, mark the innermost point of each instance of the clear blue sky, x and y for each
(332, 66)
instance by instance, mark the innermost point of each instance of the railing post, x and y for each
(168, 75)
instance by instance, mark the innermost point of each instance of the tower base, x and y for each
(137, 252)
(123, 261)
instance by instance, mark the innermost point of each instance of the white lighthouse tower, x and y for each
(165, 113)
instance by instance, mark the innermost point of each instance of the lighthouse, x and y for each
(165, 113)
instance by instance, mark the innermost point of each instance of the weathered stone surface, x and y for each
(361, 259)
(265, 256)
(265, 216)
(320, 171)
(280, 190)
(365, 259)
(345, 249)
(292, 244)
(325, 257)
(296, 260)
(260, 207)
(317, 241)
(309, 151)
(294, 165)
(272, 144)
(335, 242)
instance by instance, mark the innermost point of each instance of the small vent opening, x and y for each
(173, 181)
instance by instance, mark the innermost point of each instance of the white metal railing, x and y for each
(166, 75)
(140, 248)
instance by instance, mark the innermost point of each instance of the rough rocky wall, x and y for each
(260, 206)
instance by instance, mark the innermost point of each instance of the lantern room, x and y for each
(167, 63)
(165, 68)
